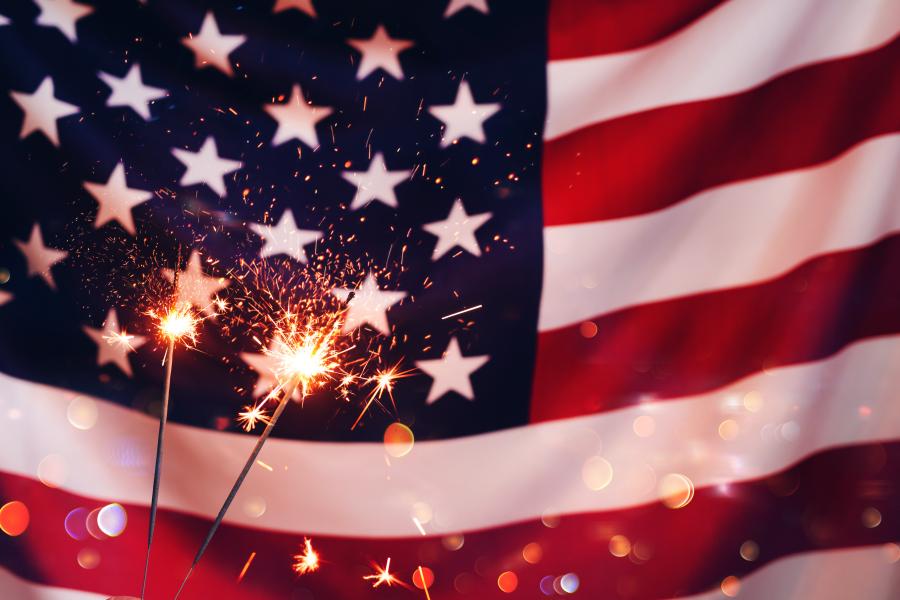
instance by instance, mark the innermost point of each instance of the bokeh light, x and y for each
(417, 578)
(76, 523)
(14, 518)
(398, 440)
(597, 473)
(588, 329)
(88, 558)
(729, 429)
(644, 426)
(255, 507)
(871, 518)
(619, 546)
(52, 470)
(749, 551)
(507, 582)
(82, 413)
(731, 586)
(93, 527)
(753, 401)
(569, 583)
(546, 585)
(532, 553)
(676, 490)
(112, 519)
(453, 542)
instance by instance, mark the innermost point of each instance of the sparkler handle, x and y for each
(157, 470)
(288, 392)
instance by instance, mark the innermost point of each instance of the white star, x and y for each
(375, 183)
(42, 109)
(206, 166)
(195, 286)
(39, 257)
(464, 118)
(457, 5)
(62, 14)
(296, 119)
(458, 229)
(265, 366)
(285, 238)
(114, 344)
(116, 199)
(5, 297)
(132, 91)
(451, 372)
(301, 5)
(380, 51)
(211, 47)
(369, 305)
(4, 20)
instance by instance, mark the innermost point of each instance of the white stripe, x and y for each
(724, 237)
(737, 46)
(870, 572)
(20, 589)
(469, 483)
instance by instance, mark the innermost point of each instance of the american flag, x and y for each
(675, 223)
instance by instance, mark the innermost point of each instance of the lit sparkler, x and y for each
(251, 415)
(383, 575)
(308, 559)
(176, 324)
(306, 355)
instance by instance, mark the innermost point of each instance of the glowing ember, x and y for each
(251, 415)
(308, 560)
(120, 338)
(383, 575)
(384, 381)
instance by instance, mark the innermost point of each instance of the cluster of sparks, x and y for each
(307, 560)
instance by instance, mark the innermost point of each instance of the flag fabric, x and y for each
(638, 256)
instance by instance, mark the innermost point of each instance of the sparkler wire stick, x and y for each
(163, 418)
(286, 395)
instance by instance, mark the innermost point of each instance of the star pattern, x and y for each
(305, 6)
(375, 183)
(457, 5)
(114, 344)
(116, 200)
(296, 119)
(62, 14)
(195, 286)
(458, 229)
(380, 51)
(451, 373)
(42, 110)
(211, 47)
(285, 238)
(39, 257)
(206, 166)
(369, 305)
(464, 118)
(130, 90)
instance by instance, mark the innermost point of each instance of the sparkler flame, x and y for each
(251, 415)
(178, 323)
(308, 560)
(120, 338)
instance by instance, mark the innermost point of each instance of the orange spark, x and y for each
(246, 566)
(383, 575)
(384, 381)
(251, 415)
(121, 338)
(308, 560)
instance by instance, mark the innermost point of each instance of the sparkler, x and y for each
(176, 324)
(305, 355)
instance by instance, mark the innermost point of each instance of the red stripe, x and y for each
(814, 505)
(698, 343)
(578, 28)
(650, 160)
